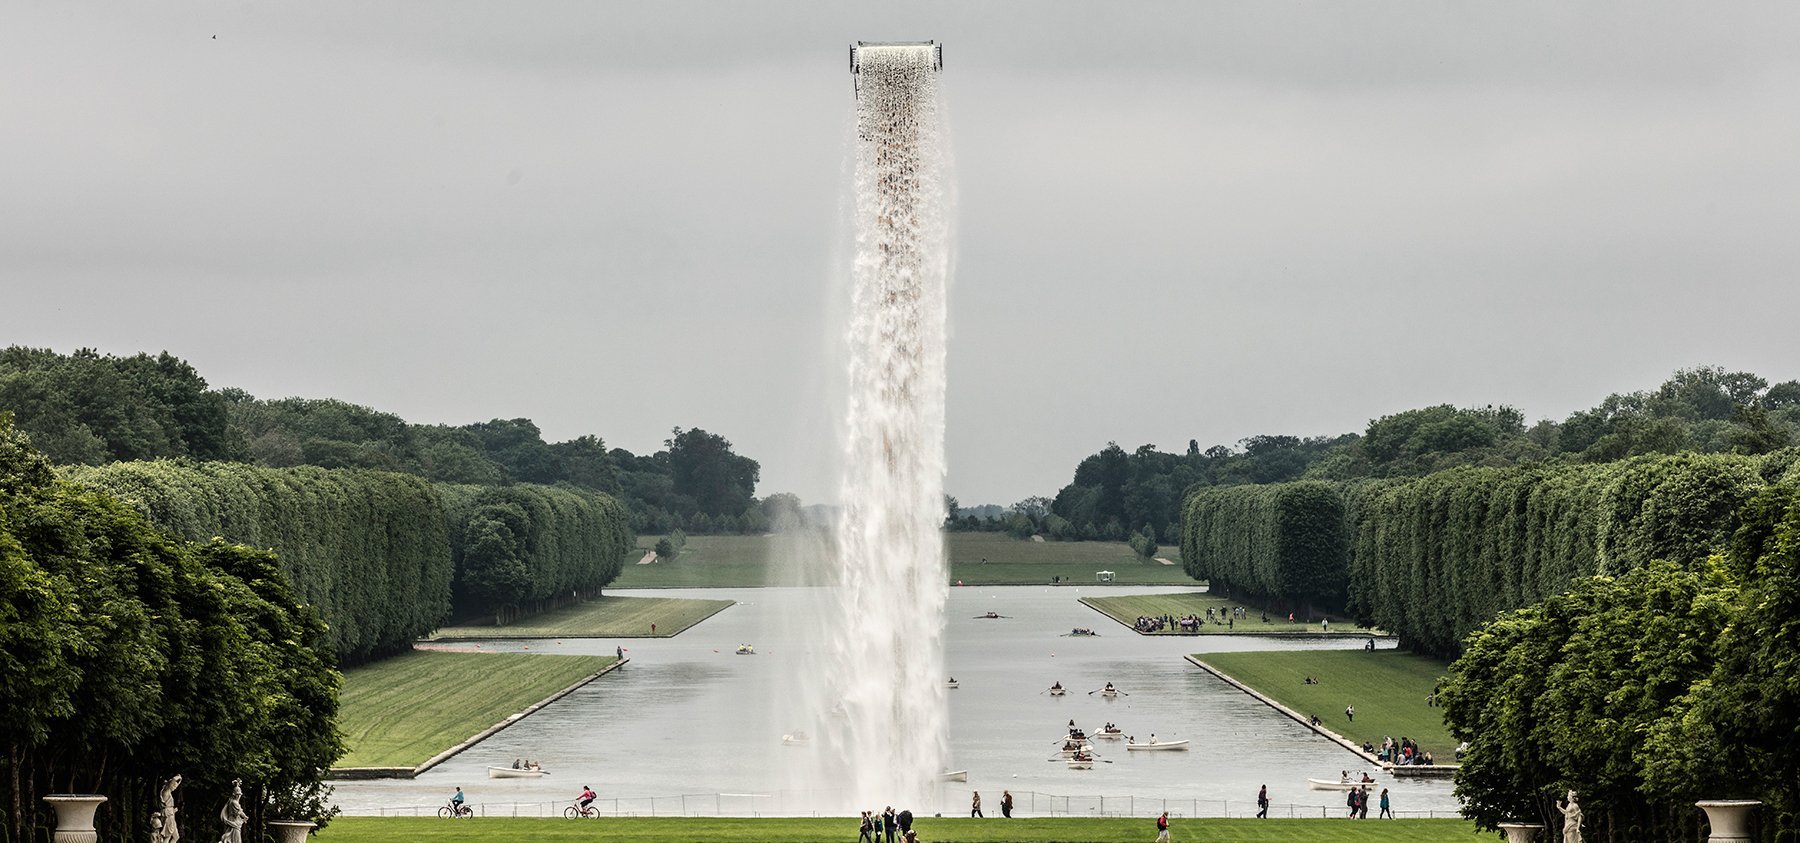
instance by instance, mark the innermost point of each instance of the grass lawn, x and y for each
(1014, 562)
(399, 712)
(931, 830)
(602, 617)
(1388, 688)
(710, 562)
(728, 561)
(1127, 610)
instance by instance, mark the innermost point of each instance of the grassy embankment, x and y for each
(748, 561)
(1127, 610)
(602, 617)
(399, 712)
(931, 830)
(1387, 687)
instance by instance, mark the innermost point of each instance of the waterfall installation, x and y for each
(887, 697)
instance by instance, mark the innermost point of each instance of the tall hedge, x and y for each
(369, 549)
(1284, 542)
(519, 547)
(1436, 557)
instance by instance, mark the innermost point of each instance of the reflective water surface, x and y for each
(689, 727)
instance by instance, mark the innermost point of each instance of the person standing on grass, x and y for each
(975, 805)
(1006, 804)
(887, 823)
(1162, 828)
(1350, 713)
(1386, 811)
(865, 833)
(1262, 803)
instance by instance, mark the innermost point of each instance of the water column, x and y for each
(888, 723)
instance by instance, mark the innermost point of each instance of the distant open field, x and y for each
(601, 617)
(726, 561)
(399, 712)
(930, 829)
(1388, 688)
(1128, 609)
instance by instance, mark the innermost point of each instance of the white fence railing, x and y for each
(803, 803)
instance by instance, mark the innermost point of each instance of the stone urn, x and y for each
(1729, 818)
(1520, 832)
(291, 831)
(75, 816)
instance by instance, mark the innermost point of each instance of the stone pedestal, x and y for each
(1520, 832)
(1729, 818)
(75, 816)
(291, 831)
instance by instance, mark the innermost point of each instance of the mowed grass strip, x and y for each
(711, 562)
(805, 559)
(1127, 610)
(1387, 687)
(399, 712)
(602, 617)
(930, 830)
(1011, 561)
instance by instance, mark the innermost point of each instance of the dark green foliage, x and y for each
(1563, 694)
(127, 655)
(1284, 542)
(523, 547)
(1435, 557)
(367, 548)
(91, 408)
(1672, 683)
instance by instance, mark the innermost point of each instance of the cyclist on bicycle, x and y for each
(587, 796)
(456, 802)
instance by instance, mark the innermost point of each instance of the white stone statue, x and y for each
(162, 822)
(1571, 819)
(233, 815)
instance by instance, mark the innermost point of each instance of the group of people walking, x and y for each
(887, 824)
(1358, 801)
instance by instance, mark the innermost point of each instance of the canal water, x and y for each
(689, 727)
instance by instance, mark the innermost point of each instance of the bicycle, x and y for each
(579, 811)
(451, 810)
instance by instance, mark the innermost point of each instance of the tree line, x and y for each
(1116, 493)
(87, 408)
(1433, 558)
(383, 556)
(128, 654)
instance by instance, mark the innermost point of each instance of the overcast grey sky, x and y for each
(1176, 220)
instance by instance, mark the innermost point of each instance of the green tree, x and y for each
(703, 467)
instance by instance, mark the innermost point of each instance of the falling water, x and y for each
(887, 699)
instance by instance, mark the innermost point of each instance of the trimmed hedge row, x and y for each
(369, 549)
(378, 553)
(518, 547)
(1284, 542)
(1433, 558)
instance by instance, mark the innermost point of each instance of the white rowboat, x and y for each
(1335, 784)
(796, 739)
(1081, 763)
(1159, 745)
(510, 773)
(954, 776)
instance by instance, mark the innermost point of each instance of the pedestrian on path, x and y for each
(1385, 810)
(866, 832)
(975, 805)
(1162, 828)
(1006, 804)
(1262, 803)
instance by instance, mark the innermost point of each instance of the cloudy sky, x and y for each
(1176, 220)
